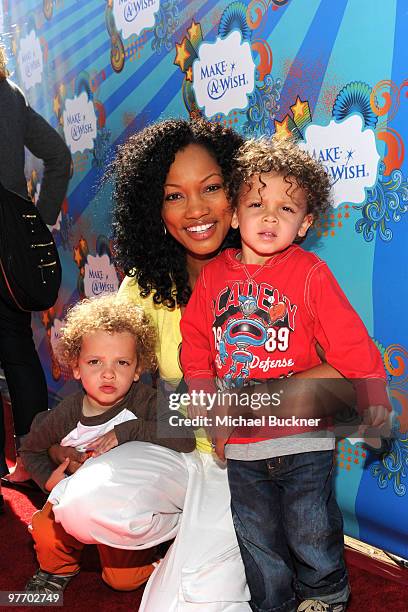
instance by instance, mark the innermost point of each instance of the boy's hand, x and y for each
(376, 425)
(57, 475)
(375, 416)
(104, 443)
(58, 454)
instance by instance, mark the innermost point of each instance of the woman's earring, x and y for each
(164, 228)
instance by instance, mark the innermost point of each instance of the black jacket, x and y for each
(21, 126)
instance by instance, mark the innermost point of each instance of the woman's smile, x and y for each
(202, 231)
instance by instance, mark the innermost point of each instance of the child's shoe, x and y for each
(43, 582)
(316, 605)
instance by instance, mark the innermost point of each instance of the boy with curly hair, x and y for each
(266, 308)
(108, 342)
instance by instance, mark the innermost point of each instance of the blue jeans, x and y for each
(289, 529)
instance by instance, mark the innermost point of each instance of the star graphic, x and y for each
(189, 74)
(182, 55)
(194, 32)
(282, 129)
(77, 256)
(62, 90)
(349, 155)
(232, 66)
(56, 105)
(45, 318)
(299, 109)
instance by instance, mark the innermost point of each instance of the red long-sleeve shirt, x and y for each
(262, 322)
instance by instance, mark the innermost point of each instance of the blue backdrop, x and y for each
(332, 74)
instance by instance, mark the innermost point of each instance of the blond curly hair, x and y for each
(285, 157)
(4, 73)
(112, 313)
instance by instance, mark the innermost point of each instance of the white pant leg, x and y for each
(203, 570)
(130, 497)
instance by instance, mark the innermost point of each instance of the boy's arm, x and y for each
(57, 475)
(48, 428)
(153, 422)
(345, 340)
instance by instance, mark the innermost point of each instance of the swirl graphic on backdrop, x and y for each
(389, 93)
(117, 53)
(355, 98)
(255, 12)
(167, 21)
(101, 148)
(395, 148)
(391, 467)
(400, 395)
(234, 18)
(257, 9)
(82, 83)
(263, 106)
(395, 361)
(48, 7)
(387, 201)
(102, 141)
(262, 52)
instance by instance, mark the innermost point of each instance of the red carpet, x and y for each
(18, 563)
(371, 593)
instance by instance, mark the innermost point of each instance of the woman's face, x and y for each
(195, 209)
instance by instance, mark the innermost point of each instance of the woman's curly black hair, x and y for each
(142, 249)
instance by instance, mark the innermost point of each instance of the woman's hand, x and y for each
(58, 454)
(218, 446)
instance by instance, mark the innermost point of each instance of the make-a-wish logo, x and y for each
(349, 155)
(30, 60)
(79, 123)
(100, 276)
(223, 75)
(133, 16)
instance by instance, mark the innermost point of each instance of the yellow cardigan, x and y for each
(167, 325)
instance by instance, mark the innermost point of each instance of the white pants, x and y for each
(138, 495)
